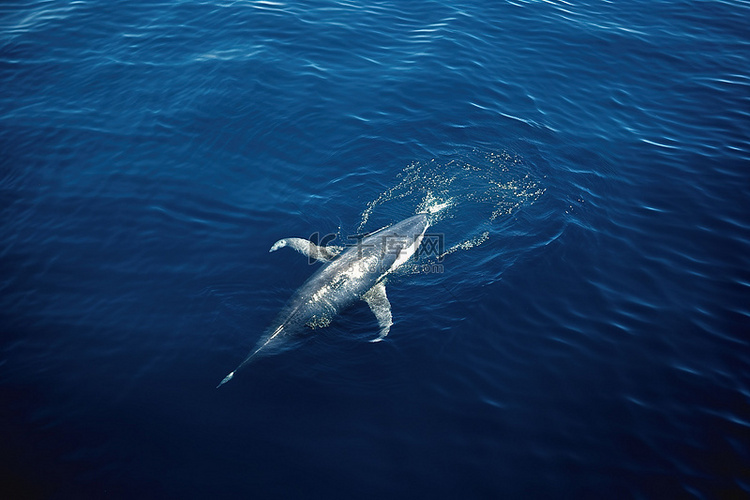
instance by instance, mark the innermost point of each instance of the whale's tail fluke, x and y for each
(252, 355)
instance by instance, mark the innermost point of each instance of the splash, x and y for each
(434, 205)
(471, 190)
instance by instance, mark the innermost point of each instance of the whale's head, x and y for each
(413, 227)
(402, 239)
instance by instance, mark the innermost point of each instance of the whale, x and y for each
(358, 271)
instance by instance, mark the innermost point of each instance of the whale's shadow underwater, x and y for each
(348, 275)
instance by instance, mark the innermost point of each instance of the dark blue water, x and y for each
(593, 341)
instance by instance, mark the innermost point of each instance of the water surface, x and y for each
(591, 342)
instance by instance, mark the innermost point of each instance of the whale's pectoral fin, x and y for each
(378, 302)
(308, 248)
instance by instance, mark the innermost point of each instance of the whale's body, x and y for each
(356, 273)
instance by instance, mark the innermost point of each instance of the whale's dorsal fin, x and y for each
(308, 248)
(378, 302)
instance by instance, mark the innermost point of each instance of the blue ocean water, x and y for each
(588, 337)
